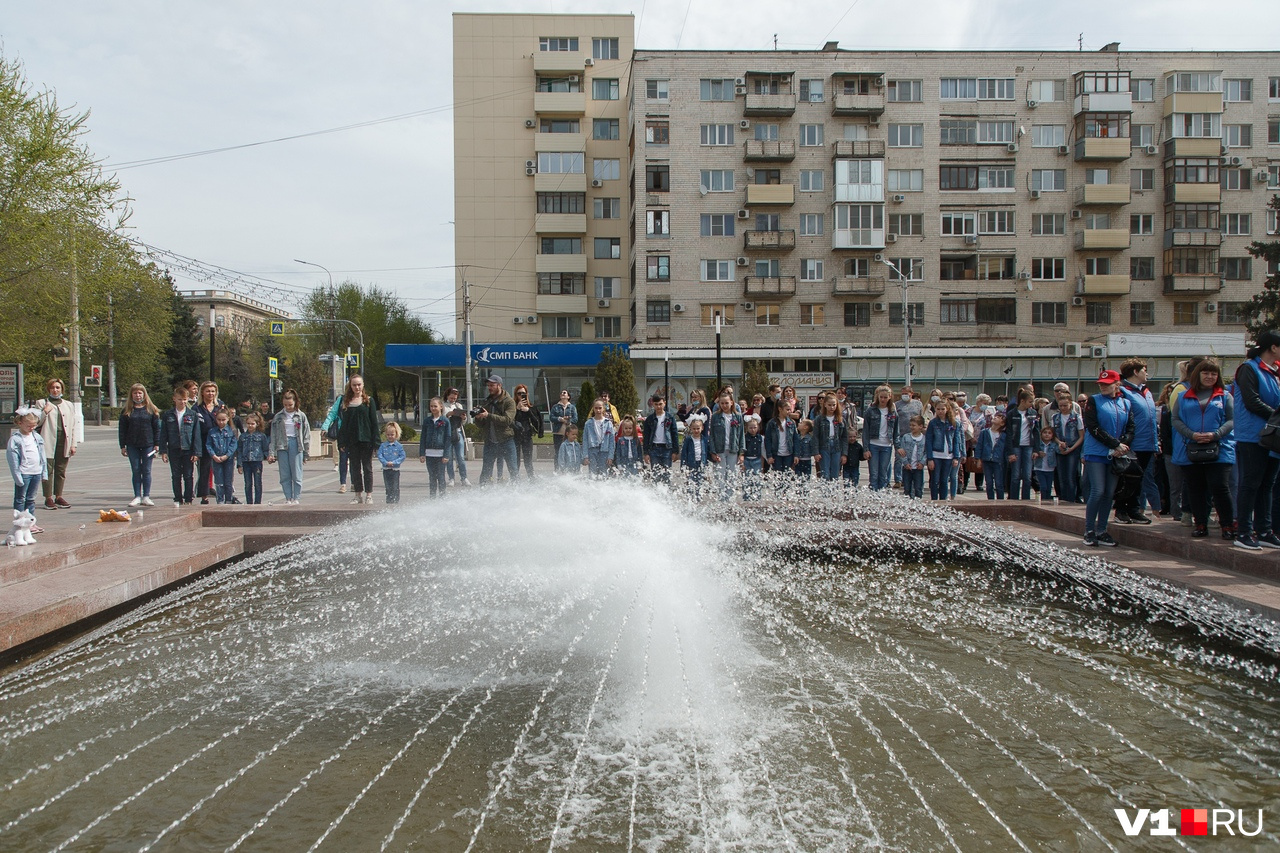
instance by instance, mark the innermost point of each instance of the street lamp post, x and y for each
(906, 323)
(719, 379)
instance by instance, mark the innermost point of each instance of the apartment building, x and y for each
(1026, 215)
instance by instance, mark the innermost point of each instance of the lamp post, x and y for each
(212, 317)
(906, 323)
(719, 325)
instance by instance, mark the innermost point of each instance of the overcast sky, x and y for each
(373, 203)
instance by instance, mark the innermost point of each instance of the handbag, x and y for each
(332, 432)
(1124, 464)
(1269, 437)
(973, 465)
(1200, 453)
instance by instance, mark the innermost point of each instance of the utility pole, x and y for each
(74, 390)
(111, 351)
(466, 337)
(212, 318)
(719, 378)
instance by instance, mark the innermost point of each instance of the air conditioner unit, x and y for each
(1024, 275)
(878, 257)
(874, 121)
(597, 183)
(517, 320)
(1225, 149)
(748, 306)
(532, 318)
(744, 124)
(744, 214)
(1262, 176)
(530, 123)
(589, 61)
(1077, 213)
(573, 78)
(740, 81)
(1062, 149)
(529, 170)
(971, 239)
(1077, 302)
(531, 164)
(1073, 350)
(1035, 193)
(739, 90)
(880, 81)
(879, 307)
(1012, 147)
(1032, 103)
(602, 303)
(1151, 149)
(677, 307)
(899, 198)
(891, 238)
(1235, 161)
(588, 320)
(846, 352)
(1097, 352)
(743, 260)
(1210, 307)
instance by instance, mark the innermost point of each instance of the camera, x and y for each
(476, 411)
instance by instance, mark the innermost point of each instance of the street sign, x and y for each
(277, 328)
(93, 379)
(273, 366)
(353, 360)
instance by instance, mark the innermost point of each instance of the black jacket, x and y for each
(139, 428)
(528, 424)
(651, 427)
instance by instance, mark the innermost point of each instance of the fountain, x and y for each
(600, 666)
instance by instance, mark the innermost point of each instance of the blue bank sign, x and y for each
(437, 356)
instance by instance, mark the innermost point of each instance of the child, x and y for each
(181, 443)
(598, 439)
(832, 437)
(290, 438)
(569, 459)
(752, 458)
(435, 444)
(1020, 443)
(991, 452)
(25, 454)
(625, 455)
(806, 449)
(944, 447)
(221, 446)
(254, 447)
(695, 455)
(911, 450)
(725, 434)
(391, 455)
(1046, 461)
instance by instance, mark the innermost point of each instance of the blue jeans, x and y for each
(853, 467)
(1020, 473)
(1257, 477)
(897, 467)
(435, 474)
(290, 462)
(751, 477)
(460, 454)
(492, 451)
(993, 476)
(1102, 491)
(913, 482)
(252, 482)
(597, 462)
(224, 479)
(1069, 476)
(881, 466)
(344, 462)
(140, 464)
(660, 463)
(829, 466)
(942, 480)
(24, 496)
(725, 475)
(1046, 484)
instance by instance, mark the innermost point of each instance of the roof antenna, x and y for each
(1081, 41)
(775, 41)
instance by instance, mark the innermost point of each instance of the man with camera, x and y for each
(496, 416)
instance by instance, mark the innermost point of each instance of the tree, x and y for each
(184, 357)
(1262, 312)
(755, 379)
(586, 396)
(616, 375)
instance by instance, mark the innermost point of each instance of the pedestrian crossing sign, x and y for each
(273, 367)
(277, 327)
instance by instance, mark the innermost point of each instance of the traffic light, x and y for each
(94, 378)
(64, 335)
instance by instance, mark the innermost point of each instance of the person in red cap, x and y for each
(1109, 428)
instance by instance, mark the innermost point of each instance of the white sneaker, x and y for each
(146, 501)
(136, 502)
(368, 498)
(342, 489)
(358, 500)
(177, 504)
(466, 482)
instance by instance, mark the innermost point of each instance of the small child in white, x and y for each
(26, 456)
(391, 455)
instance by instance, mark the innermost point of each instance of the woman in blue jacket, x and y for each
(1204, 446)
(943, 450)
(1256, 395)
(1108, 425)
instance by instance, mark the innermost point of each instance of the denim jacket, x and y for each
(991, 446)
(726, 439)
(829, 444)
(805, 447)
(626, 451)
(391, 454)
(178, 434)
(436, 435)
(13, 453)
(221, 442)
(253, 447)
(686, 451)
(570, 457)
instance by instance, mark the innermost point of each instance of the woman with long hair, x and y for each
(206, 410)
(944, 448)
(359, 434)
(880, 432)
(528, 423)
(140, 440)
(1205, 448)
(563, 415)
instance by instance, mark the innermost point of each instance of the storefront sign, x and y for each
(804, 380)
(437, 356)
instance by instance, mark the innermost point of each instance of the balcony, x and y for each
(785, 239)
(1185, 146)
(783, 104)
(560, 263)
(758, 287)
(1192, 237)
(843, 148)
(1103, 194)
(559, 142)
(1193, 102)
(1178, 284)
(1102, 285)
(857, 238)
(849, 286)
(776, 150)
(1097, 148)
(560, 223)
(562, 304)
(560, 103)
(1102, 238)
(1103, 102)
(566, 61)
(858, 105)
(770, 194)
(560, 182)
(1193, 193)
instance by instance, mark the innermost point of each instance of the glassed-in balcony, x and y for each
(1175, 237)
(1187, 146)
(1177, 283)
(1201, 193)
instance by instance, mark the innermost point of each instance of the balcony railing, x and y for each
(1175, 237)
(1193, 193)
(858, 105)
(1185, 146)
(785, 239)
(1108, 148)
(1102, 285)
(1176, 283)
(866, 286)
(1102, 238)
(1103, 102)
(857, 238)
(779, 150)
(569, 103)
(783, 104)
(857, 148)
(1103, 194)
(770, 194)
(764, 287)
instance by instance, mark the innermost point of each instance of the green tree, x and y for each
(1262, 312)
(755, 379)
(586, 397)
(184, 356)
(616, 375)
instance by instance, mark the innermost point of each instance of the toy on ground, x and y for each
(21, 532)
(112, 515)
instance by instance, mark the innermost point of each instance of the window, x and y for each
(608, 287)
(810, 135)
(1237, 224)
(859, 225)
(1049, 269)
(856, 86)
(768, 222)
(1103, 125)
(562, 202)
(604, 48)
(813, 315)
(657, 311)
(657, 178)
(812, 180)
(604, 89)
(902, 91)
(857, 267)
(1273, 89)
(1143, 135)
(1236, 179)
(1193, 81)
(1236, 269)
(608, 327)
(561, 162)
(716, 225)
(658, 268)
(1144, 91)
(976, 177)
(606, 208)
(604, 128)
(1273, 222)
(857, 314)
(995, 132)
(906, 224)
(1048, 135)
(1097, 266)
(982, 88)
(1097, 313)
(1186, 313)
(958, 224)
(912, 268)
(1273, 176)
(995, 222)
(607, 248)
(1142, 223)
(1142, 179)
(1045, 224)
(768, 315)
(657, 132)
(811, 270)
(905, 180)
(768, 268)
(1142, 313)
(1049, 180)
(717, 270)
(957, 132)
(561, 246)
(1095, 221)
(1046, 90)
(958, 88)
(1237, 135)
(1100, 177)
(1142, 269)
(657, 90)
(605, 170)
(561, 327)
(562, 283)
(716, 90)
(810, 224)
(906, 135)
(765, 132)
(726, 313)
(768, 176)
(995, 89)
(997, 268)
(997, 310)
(1048, 313)
(558, 125)
(717, 180)
(1194, 170)
(657, 223)
(1193, 125)
(1273, 131)
(811, 91)
(553, 43)
(716, 134)
(1232, 313)
(915, 313)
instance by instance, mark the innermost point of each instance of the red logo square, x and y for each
(1195, 821)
